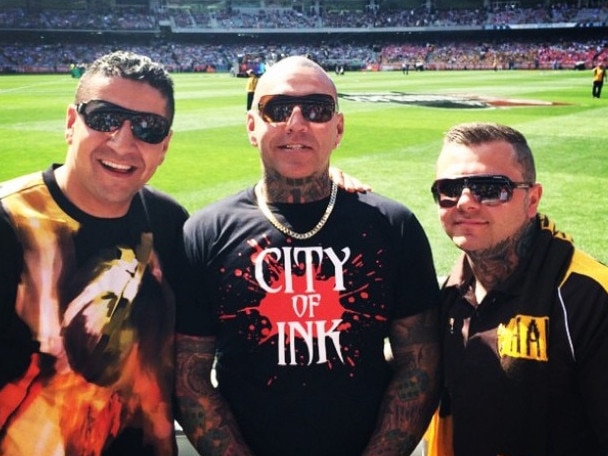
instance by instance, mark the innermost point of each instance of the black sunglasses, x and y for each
(317, 107)
(107, 117)
(490, 190)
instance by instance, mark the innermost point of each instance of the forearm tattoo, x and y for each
(413, 393)
(204, 415)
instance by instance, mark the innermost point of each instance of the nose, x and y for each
(467, 200)
(296, 119)
(123, 136)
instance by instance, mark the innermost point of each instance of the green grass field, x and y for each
(391, 146)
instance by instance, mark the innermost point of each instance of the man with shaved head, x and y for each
(299, 286)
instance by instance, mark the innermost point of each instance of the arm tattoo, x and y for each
(412, 395)
(203, 413)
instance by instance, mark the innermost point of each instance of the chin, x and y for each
(297, 174)
(465, 243)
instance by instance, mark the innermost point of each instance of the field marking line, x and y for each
(27, 87)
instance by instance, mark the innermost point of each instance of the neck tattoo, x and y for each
(288, 231)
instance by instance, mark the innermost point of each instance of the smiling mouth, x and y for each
(294, 147)
(117, 167)
(469, 224)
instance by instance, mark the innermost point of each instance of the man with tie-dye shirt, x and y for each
(89, 263)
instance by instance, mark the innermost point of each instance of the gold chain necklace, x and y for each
(282, 228)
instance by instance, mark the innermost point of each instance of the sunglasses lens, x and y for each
(277, 112)
(451, 188)
(318, 108)
(491, 193)
(149, 128)
(104, 120)
(106, 117)
(318, 112)
(447, 191)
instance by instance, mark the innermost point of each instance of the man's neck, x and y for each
(280, 189)
(494, 265)
(86, 201)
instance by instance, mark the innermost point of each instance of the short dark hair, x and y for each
(475, 133)
(136, 67)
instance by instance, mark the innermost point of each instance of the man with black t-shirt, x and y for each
(300, 283)
(89, 263)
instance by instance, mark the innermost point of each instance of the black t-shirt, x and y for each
(300, 325)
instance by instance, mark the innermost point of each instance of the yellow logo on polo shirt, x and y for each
(524, 337)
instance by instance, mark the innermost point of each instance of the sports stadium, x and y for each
(231, 35)
(412, 69)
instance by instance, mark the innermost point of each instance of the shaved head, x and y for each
(310, 77)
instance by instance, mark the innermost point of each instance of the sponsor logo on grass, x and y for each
(460, 101)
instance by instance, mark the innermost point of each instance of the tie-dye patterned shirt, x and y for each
(86, 319)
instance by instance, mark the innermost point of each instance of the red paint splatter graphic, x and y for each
(302, 296)
(323, 305)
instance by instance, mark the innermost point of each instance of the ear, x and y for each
(339, 129)
(70, 119)
(165, 148)
(250, 124)
(534, 196)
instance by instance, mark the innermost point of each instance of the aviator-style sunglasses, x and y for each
(316, 107)
(107, 117)
(487, 189)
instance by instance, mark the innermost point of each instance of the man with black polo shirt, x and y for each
(524, 312)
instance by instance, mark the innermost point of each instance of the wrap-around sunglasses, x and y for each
(107, 117)
(316, 107)
(487, 189)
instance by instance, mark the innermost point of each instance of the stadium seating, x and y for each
(207, 35)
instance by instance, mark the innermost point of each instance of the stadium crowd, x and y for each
(126, 19)
(57, 58)
(282, 18)
(440, 54)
